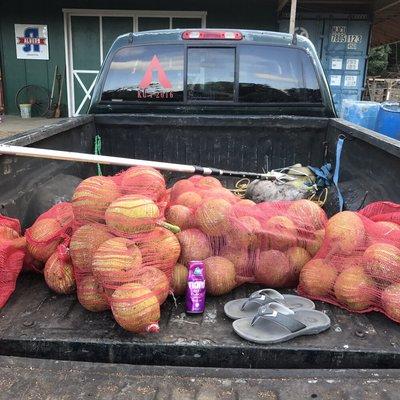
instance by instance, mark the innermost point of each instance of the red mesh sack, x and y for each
(116, 262)
(12, 254)
(160, 249)
(84, 242)
(118, 241)
(92, 197)
(58, 272)
(144, 181)
(149, 262)
(266, 243)
(51, 229)
(383, 211)
(280, 238)
(135, 308)
(9, 226)
(357, 267)
(11, 260)
(90, 294)
(132, 216)
(206, 193)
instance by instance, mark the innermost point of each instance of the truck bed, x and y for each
(38, 323)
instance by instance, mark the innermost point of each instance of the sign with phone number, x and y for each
(339, 35)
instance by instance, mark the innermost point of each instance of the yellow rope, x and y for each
(321, 198)
(241, 187)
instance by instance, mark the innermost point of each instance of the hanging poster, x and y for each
(32, 42)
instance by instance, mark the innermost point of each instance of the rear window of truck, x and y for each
(237, 74)
(146, 73)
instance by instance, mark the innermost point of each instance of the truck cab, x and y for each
(212, 71)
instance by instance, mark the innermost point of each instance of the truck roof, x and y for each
(249, 36)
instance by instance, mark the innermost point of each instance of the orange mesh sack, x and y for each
(116, 262)
(148, 262)
(84, 243)
(90, 294)
(58, 272)
(383, 211)
(160, 249)
(12, 254)
(135, 308)
(92, 198)
(188, 195)
(357, 267)
(10, 228)
(267, 243)
(270, 242)
(145, 181)
(132, 216)
(11, 261)
(51, 229)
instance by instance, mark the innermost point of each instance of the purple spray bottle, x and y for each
(196, 288)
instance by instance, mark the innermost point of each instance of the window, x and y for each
(146, 73)
(267, 74)
(270, 74)
(211, 73)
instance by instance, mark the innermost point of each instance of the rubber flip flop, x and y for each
(247, 307)
(275, 323)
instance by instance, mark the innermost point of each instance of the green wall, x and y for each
(252, 14)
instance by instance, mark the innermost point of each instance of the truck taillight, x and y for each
(212, 35)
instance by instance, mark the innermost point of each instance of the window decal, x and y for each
(148, 76)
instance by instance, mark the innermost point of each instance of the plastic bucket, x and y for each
(388, 122)
(363, 113)
(25, 110)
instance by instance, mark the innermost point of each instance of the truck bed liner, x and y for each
(38, 323)
(25, 378)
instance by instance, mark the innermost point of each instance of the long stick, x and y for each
(53, 88)
(57, 113)
(121, 161)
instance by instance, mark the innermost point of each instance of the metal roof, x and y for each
(386, 28)
(385, 14)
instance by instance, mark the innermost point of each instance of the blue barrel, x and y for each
(363, 113)
(388, 121)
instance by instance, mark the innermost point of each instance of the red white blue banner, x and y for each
(32, 42)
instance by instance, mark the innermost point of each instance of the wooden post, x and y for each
(292, 24)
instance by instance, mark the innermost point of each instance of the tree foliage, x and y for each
(378, 60)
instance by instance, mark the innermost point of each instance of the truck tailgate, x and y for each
(39, 323)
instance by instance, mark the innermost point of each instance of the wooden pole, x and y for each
(292, 24)
(122, 161)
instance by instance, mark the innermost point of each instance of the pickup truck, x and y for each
(238, 100)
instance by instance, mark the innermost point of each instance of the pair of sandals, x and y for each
(268, 317)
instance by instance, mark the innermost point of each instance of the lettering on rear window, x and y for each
(160, 87)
